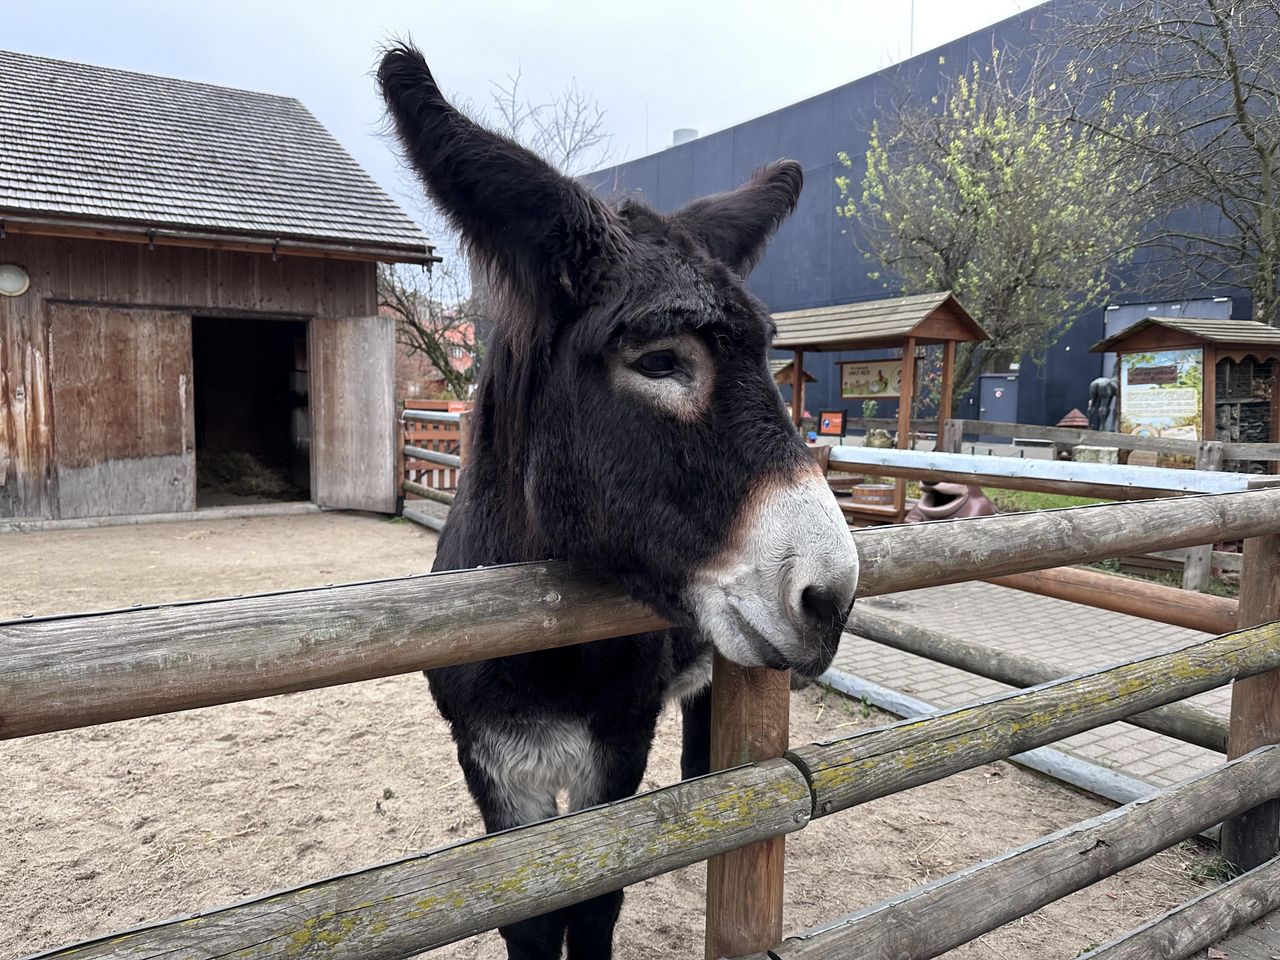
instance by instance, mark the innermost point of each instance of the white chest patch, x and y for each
(535, 762)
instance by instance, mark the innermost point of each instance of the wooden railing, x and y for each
(955, 430)
(434, 452)
(431, 436)
(59, 673)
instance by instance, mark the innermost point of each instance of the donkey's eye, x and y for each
(657, 363)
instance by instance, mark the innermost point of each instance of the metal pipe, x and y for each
(434, 416)
(433, 456)
(1087, 479)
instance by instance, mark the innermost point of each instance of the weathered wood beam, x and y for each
(750, 711)
(1123, 441)
(932, 919)
(952, 551)
(1137, 598)
(402, 908)
(1191, 927)
(67, 672)
(876, 763)
(1178, 720)
(1072, 436)
(1254, 837)
(1198, 567)
(427, 493)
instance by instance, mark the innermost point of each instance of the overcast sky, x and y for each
(653, 65)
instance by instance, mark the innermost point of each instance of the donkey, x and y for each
(626, 421)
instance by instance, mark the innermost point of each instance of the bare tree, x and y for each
(1204, 76)
(441, 314)
(987, 193)
(437, 316)
(568, 131)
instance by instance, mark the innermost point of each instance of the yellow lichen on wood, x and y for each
(874, 763)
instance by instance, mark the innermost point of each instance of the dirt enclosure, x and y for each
(115, 825)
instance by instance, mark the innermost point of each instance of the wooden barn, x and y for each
(188, 313)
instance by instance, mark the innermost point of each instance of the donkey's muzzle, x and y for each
(780, 597)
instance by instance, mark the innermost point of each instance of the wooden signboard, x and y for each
(1161, 394)
(870, 379)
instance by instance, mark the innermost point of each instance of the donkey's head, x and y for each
(626, 418)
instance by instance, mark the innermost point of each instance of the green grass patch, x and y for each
(1022, 501)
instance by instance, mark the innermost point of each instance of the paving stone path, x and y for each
(1063, 634)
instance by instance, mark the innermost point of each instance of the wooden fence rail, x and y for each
(875, 763)
(1178, 720)
(1068, 436)
(955, 551)
(428, 493)
(400, 909)
(62, 673)
(953, 910)
(59, 673)
(1137, 598)
(411, 905)
(67, 672)
(1202, 922)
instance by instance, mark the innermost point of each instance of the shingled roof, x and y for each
(929, 317)
(1213, 331)
(114, 151)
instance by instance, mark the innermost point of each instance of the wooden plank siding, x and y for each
(28, 485)
(124, 407)
(180, 281)
(353, 416)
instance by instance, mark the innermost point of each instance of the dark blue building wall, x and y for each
(813, 261)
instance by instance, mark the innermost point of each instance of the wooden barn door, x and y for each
(123, 415)
(353, 414)
(28, 487)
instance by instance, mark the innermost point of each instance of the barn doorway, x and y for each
(252, 421)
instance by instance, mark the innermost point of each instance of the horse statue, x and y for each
(625, 421)
(1102, 403)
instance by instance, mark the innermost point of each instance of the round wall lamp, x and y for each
(14, 281)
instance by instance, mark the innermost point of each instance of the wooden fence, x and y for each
(432, 438)
(955, 430)
(434, 451)
(59, 673)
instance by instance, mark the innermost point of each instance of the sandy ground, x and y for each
(123, 823)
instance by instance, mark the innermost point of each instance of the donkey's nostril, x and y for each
(824, 609)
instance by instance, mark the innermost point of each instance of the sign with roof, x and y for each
(902, 323)
(1198, 379)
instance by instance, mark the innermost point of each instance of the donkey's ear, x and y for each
(540, 229)
(735, 226)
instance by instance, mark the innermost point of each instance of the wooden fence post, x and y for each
(952, 436)
(1198, 565)
(750, 720)
(1254, 837)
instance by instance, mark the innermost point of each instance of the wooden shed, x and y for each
(1198, 379)
(902, 323)
(782, 375)
(187, 290)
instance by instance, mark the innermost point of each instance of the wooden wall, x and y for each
(162, 288)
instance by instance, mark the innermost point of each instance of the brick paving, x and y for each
(1063, 634)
